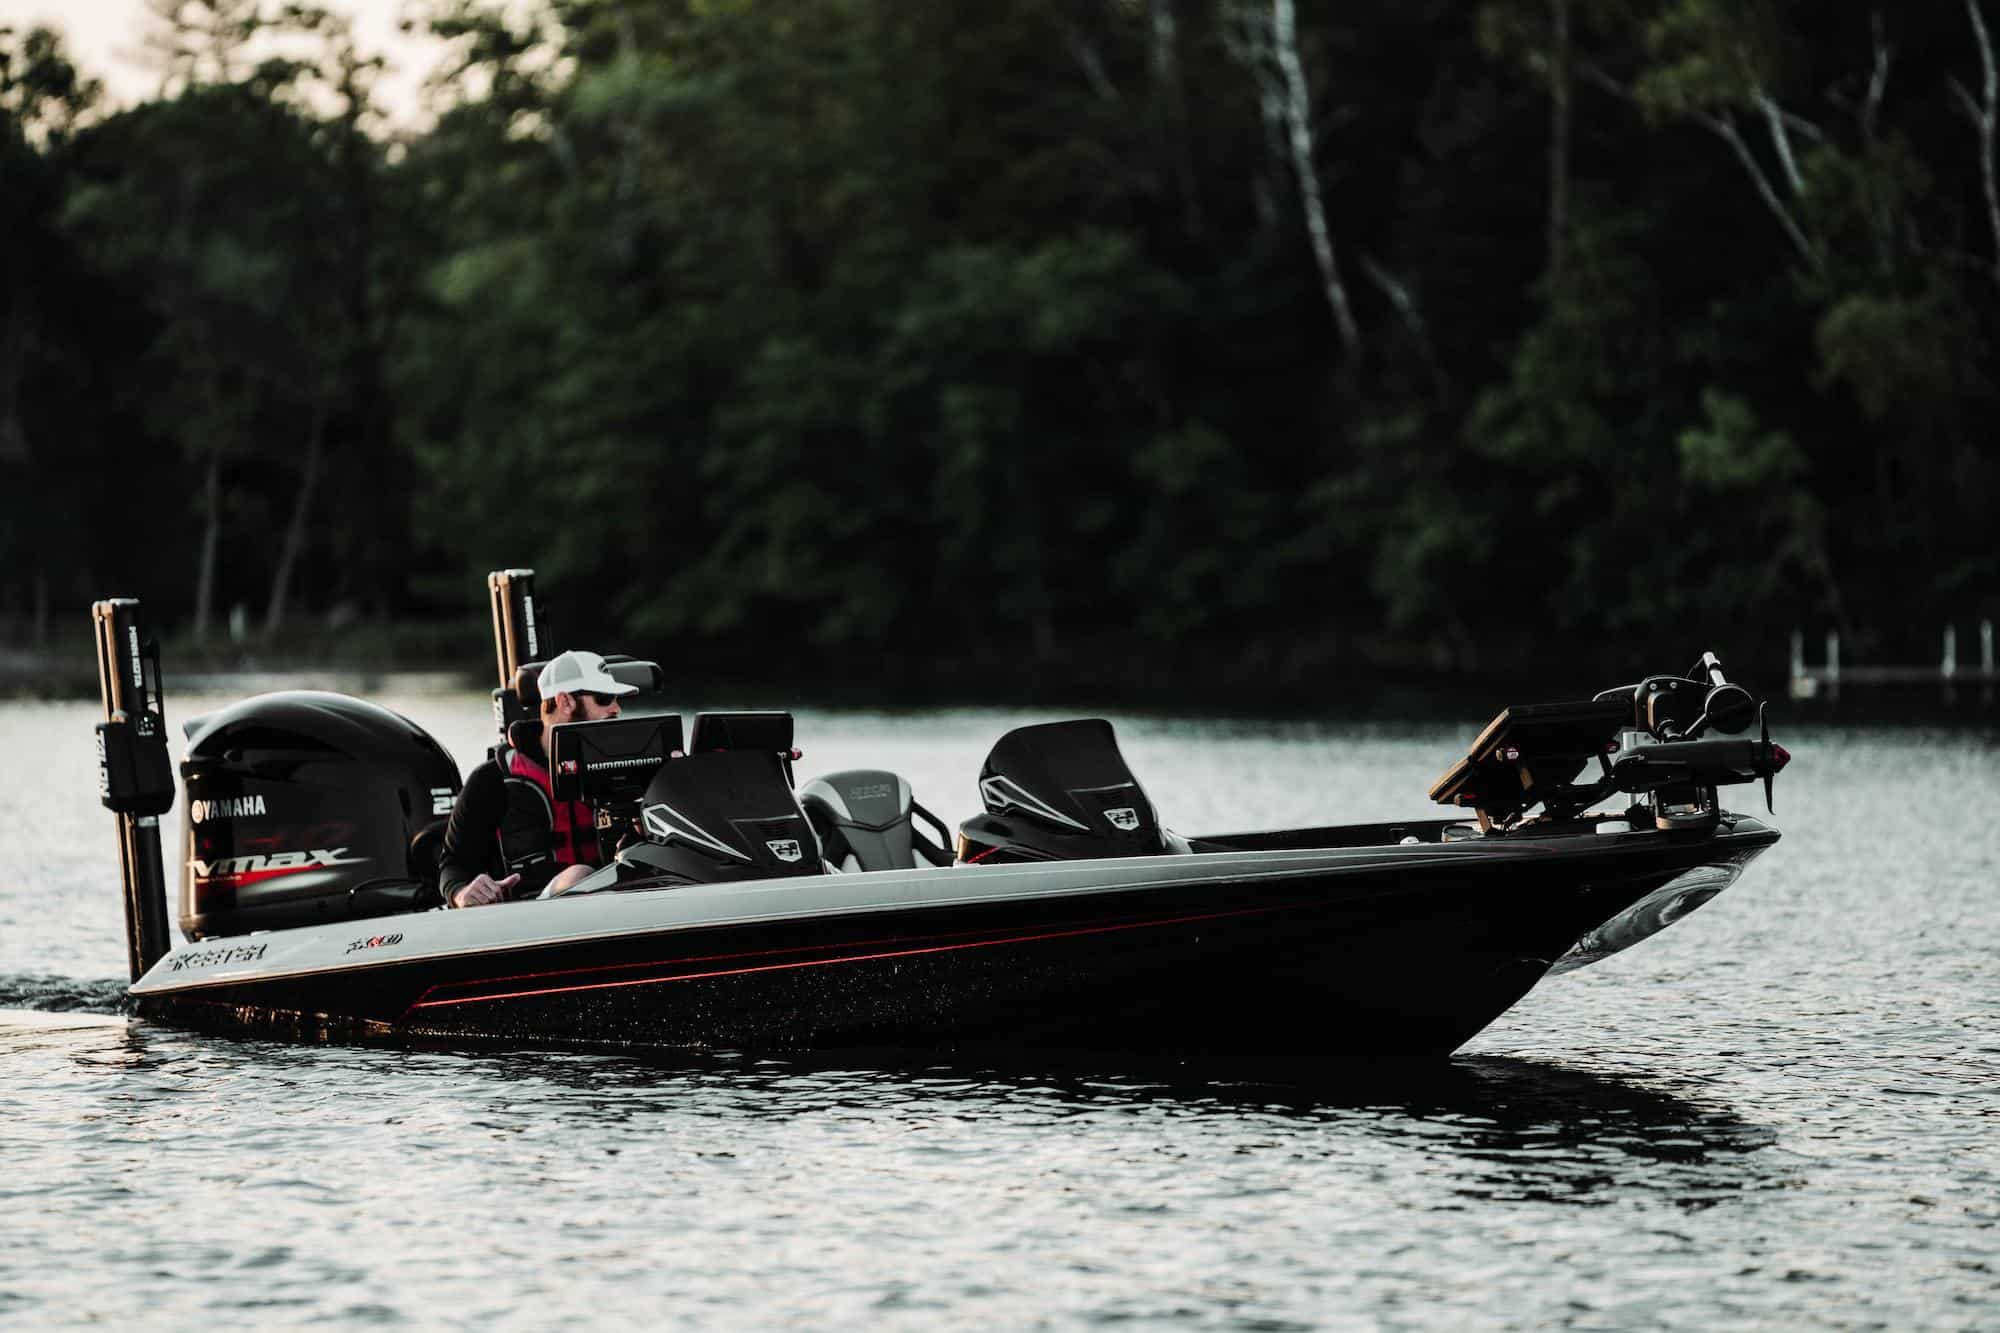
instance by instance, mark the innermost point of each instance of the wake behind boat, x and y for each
(742, 912)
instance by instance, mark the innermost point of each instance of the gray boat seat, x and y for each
(866, 820)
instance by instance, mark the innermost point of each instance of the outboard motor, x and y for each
(1061, 791)
(305, 807)
(863, 819)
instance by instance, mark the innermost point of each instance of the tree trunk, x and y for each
(295, 530)
(211, 539)
(1298, 119)
(1986, 116)
(1172, 99)
(1559, 120)
(13, 356)
(1724, 126)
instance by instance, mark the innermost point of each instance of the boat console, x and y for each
(719, 809)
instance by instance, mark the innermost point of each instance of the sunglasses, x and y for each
(601, 700)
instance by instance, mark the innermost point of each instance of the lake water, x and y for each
(1784, 1111)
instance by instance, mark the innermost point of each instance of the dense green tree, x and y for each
(1241, 338)
(48, 435)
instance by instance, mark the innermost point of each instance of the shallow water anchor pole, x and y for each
(516, 636)
(135, 779)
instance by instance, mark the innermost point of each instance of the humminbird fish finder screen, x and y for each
(610, 762)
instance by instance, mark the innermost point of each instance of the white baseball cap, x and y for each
(579, 672)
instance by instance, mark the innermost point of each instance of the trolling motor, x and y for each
(1650, 739)
(1682, 770)
(135, 778)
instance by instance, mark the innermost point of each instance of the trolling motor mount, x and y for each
(1648, 739)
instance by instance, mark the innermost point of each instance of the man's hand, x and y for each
(570, 877)
(483, 889)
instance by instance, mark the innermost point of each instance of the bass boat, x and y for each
(738, 910)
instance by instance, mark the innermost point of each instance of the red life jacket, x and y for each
(537, 825)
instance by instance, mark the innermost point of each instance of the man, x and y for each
(507, 819)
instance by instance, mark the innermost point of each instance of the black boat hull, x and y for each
(1392, 953)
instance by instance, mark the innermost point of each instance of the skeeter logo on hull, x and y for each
(250, 869)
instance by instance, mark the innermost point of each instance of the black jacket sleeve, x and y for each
(472, 838)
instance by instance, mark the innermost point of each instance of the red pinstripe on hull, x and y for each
(424, 1002)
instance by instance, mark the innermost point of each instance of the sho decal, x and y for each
(785, 849)
(870, 791)
(1124, 817)
(226, 807)
(215, 957)
(442, 800)
(375, 942)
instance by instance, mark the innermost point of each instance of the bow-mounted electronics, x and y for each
(1649, 740)
(1531, 754)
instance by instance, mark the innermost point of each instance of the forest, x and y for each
(1188, 344)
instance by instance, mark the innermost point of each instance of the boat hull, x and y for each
(1381, 952)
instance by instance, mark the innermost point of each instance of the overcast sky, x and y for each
(105, 39)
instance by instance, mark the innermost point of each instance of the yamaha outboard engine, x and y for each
(305, 807)
(863, 817)
(1060, 791)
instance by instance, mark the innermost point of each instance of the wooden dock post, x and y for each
(1945, 671)
(1986, 661)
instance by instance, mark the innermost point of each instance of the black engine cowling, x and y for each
(1060, 791)
(305, 807)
